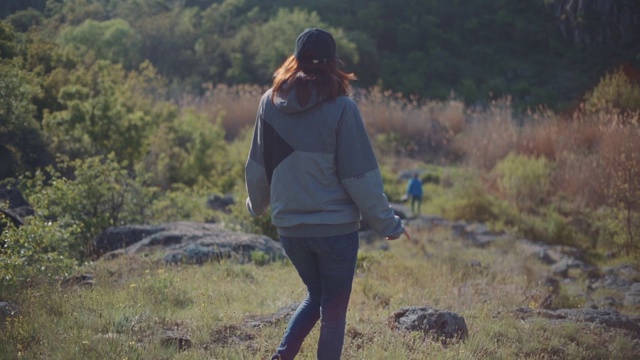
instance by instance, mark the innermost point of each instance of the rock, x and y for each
(283, 314)
(176, 339)
(221, 203)
(12, 217)
(442, 325)
(7, 310)
(232, 335)
(618, 278)
(599, 22)
(478, 234)
(188, 242)
(18, 208)
(607, 302)
(608, 317)
(632, 297)
(83, 280)
(115, 238)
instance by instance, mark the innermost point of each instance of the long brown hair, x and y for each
(328, 80)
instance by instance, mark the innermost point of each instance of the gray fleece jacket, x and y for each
(315, 167)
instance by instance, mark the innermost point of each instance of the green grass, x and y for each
(135, 299)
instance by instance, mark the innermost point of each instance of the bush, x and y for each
(465, 199)
(38, 250)
(241, 220)
(615, 90)
(548, 227)
(190, 150)
(525, 181)
(181, 203)
(98, 193)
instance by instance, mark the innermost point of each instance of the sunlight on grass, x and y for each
(136, 300)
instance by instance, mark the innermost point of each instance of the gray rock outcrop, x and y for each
(14, 207)
(609, 318)
(599, 22)
(185, 242)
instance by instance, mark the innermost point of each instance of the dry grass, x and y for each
(583, 147)
(137, 301)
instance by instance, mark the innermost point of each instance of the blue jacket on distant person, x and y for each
(414, 187)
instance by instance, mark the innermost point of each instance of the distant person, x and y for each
(312, 162)
(414, 192)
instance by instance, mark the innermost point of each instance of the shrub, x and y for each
(615, 90)
(190, 150)
(548, 226)
(38, 250)
(620, 152)
(99, 193)
(241, 220)
(180, 203)
(466, 199)
(525, 181)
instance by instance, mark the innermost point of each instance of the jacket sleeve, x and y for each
(255, 174)
(359, 173)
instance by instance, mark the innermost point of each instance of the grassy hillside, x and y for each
(99, 127)
(137, 301)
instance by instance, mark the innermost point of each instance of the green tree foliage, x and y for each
(105, 109)
(272, 41)
(21, 141)
(10, 7)
(218, 48)
(8, 48)
(190, 151)
(23, 20)
(479, 50)
(168, 40)
(113, 40)
(100, 193)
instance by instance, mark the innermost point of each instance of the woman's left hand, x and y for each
(404, 231)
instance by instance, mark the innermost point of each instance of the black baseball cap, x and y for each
(315, 46)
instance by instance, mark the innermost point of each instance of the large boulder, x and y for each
(119, 237)
(437, 324)
(187, 242)
(14, 207)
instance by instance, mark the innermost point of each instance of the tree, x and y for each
(274, 41)
(190, 150)
(106, 109)
(8, 47)
(21, 143)
(112, 40)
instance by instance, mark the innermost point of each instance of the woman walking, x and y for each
(311, 161)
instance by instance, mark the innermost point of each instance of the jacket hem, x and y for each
(318, 230)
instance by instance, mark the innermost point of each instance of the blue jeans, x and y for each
(326, 265)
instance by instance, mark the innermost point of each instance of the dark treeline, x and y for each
(477, 50)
